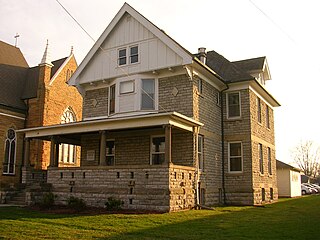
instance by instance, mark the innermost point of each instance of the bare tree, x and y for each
(307, 156)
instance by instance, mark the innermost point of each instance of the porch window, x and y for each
(234, 105)
(148, 94)
(157, 150)
(112, 99)
(110, 153)
(235, 157)
(10, 152)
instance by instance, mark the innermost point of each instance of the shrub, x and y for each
(76, 203)
(113, 204)
(47, 200)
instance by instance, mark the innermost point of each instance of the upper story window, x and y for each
(112, 99)
(200, 152)
(269, 161)
(259, 109)
(267, 117)
(147, 94)
(233, 105)
(10, 152)
(122, 56)
(235, 157)
(157, 150)
(261, 158)
(131, 53)
(200, 86)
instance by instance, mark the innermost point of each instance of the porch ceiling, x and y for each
(74, 130)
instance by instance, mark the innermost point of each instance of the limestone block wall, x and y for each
(95, 103)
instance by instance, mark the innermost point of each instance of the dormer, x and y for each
(256, 67)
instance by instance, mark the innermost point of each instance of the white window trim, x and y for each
(114, 155)
(15, 153)
(227, 101)
(151, 137)
(129, 53)
(156, 94)
(229, 171)
(127, 92)
(118, 57)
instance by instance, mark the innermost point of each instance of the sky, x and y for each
(286, 32)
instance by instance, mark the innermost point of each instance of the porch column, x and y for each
(103, 144)
(56, 154)
(168, 144)
(52, 151)
(26, 156)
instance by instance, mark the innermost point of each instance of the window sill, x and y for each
(234, 173)
(9, 174)
(233, 119)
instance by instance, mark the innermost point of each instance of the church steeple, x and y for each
(46, 57)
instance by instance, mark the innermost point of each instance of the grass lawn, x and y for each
(287, 219)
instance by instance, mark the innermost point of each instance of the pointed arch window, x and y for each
(67, 152)
(10, 152)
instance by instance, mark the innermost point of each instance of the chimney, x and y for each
(202, 54)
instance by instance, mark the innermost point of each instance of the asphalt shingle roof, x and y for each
(11, 55)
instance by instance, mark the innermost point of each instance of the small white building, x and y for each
(289, 180)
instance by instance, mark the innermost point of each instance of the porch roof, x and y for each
(142, 121)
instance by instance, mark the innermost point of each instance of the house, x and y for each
(164, 129)
(289, 180)
(33, 97)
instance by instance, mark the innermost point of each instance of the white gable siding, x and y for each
(153, 53)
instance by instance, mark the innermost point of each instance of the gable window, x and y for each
(200, 152)
(122, 56)
(110, 153)
(134, 56)
(269, 161)
(148, 94)
(112, 99)
(233, 103)
(67, 152)
(126, 87)
(261, 158)
(259, 109)
(267, 117)
(157, 150)
(10, 152)
(235, 157)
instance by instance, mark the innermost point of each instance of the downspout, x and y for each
(223, 147)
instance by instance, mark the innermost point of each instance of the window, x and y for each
(10, 152)
(261, 158)
(67, 152)
(267, 117)
(234, 105)
(200, 152)
(263, 194)
(110, 153)
(269, 161)
(259, 109)
(235, 157)
(200, 86)
(157, 150)
(126, 87)
(134, 54)
(112, 99)
(122, 56)
(148, 94)
(271, 193)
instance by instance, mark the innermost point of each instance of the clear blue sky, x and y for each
(285, 31)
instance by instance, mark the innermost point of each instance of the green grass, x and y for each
(287, 219)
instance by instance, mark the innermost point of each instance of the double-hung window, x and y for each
(122, 56)
(131, 53)
(157, 150)
(235, 157)
(267, 117)
(147, 94)
(234, 105)
(269, 161)
(261, 158)
(134, 55)
(259, 109)
(112, 99)
(200, 152)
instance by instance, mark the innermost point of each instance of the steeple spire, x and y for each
(46, 56)
(71, 50)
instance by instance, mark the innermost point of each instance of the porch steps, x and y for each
(17, 198)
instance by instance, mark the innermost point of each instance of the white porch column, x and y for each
(103, 144)
(168, 144)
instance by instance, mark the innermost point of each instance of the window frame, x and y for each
(260, 150)
(142, 93)
(133, 55)
(112, 154)
(114, 99)
(122, 57)
(267, 117)
(269, 161)
(10, 162)
(158, 153)
(229, 157)
(259, 110)
(228, 106)
(132, 90)
(200, 86)
(201, 153)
